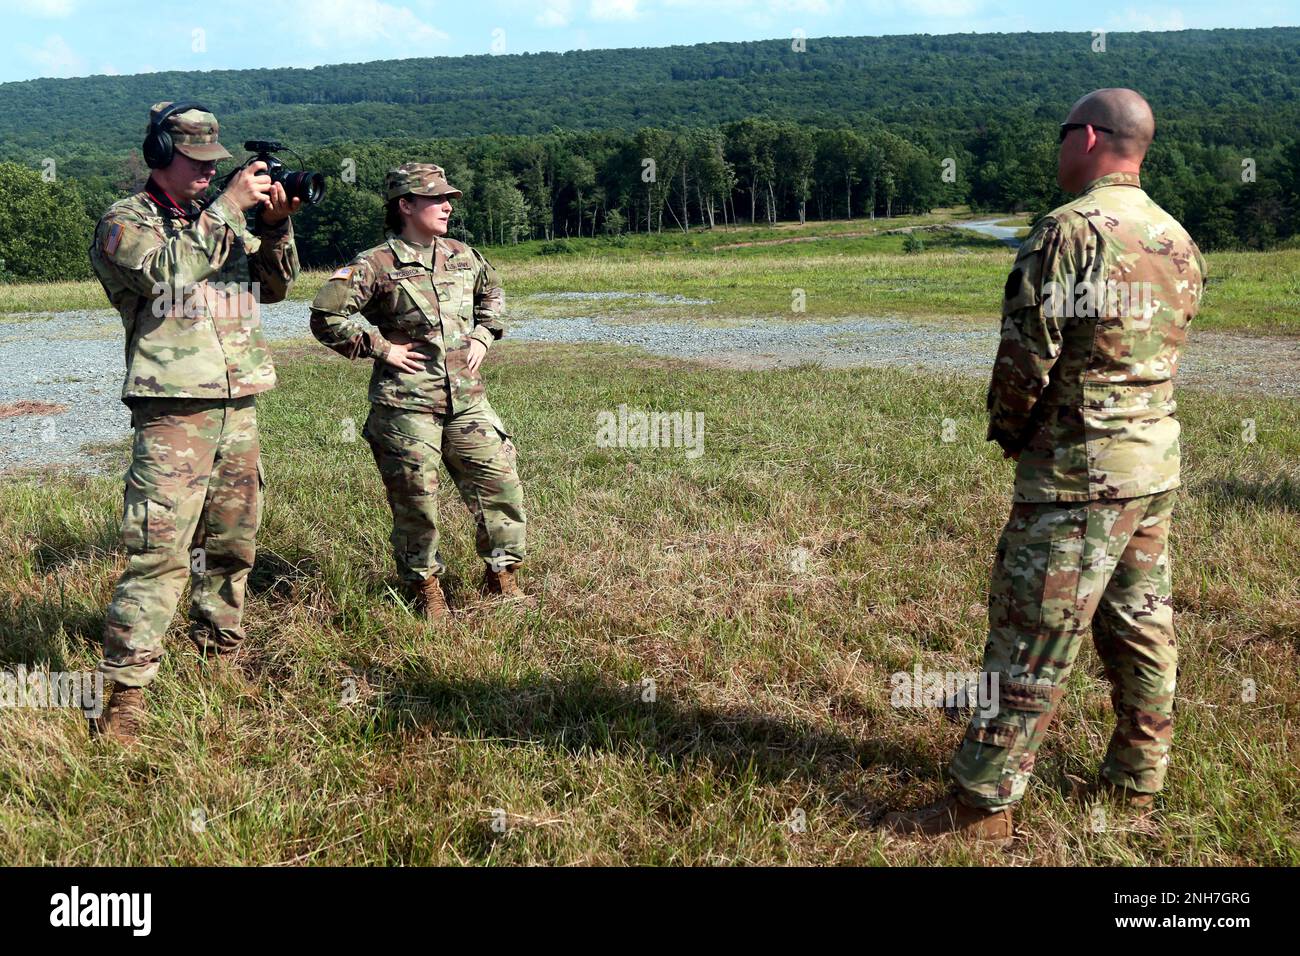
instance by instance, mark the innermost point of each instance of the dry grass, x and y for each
(826, 538)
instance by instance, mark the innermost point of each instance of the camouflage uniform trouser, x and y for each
(478, 453)
(195, 482)
(1061, 567)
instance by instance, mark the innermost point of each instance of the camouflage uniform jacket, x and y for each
(437, 297)
(184, 285)
(1093, 316)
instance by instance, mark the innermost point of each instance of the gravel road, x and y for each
(74, 359)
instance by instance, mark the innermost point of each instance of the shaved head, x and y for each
(1124, 111)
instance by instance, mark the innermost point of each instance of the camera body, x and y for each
(309, 186)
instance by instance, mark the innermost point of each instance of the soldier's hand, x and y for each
(477, 351)
(403, 358)
(250, 186)
(279, 206)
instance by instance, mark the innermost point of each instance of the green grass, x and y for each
(846, 269)
(772, 683)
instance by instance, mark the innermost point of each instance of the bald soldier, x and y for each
(1094, 314)
(187, 279)
(434, 306)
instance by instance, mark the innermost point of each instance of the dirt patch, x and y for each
(18, 409)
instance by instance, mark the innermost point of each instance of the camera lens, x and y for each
(309, 187)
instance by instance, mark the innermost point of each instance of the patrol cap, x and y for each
(419, 179)
(193, 133)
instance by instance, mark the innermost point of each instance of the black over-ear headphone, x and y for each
(158, 148)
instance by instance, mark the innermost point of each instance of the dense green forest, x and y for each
(556, 145)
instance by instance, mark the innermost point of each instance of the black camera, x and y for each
(308, 186)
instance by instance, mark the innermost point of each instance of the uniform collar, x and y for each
(166, 202)
(408, 253)
(1114, 179)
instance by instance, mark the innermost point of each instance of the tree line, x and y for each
(570, 184)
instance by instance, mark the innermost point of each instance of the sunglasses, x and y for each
(1066, 127)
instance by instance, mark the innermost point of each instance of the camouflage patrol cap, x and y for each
(193, 133)
(420, 179)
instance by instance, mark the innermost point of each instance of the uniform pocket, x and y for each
(507, 444)
(495, 421)
(408, 313)
(147, 525)
(1039, 565)
(261, 491)
(450, 287)
(403, 446)
(124, 613)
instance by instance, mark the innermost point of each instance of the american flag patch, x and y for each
(113, 239)
(343, 273)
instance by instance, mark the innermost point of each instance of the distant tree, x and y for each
(507, 212)
(797, 152)
(45, 232)
(714, 177)
(348, 220)
(752, 147)
(839, 155)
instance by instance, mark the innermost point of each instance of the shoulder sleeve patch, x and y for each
(113, 238)
(344, 273)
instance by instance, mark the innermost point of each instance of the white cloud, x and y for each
(815, 7)
(39, 8)
(342, 24)
(763, 9)
(555, 13)
(1134, 20)
(941, 9)
(55, 58)
(615, 10)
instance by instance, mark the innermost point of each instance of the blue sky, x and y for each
(83, 37)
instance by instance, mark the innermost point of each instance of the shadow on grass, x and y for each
(30, 624)
(56, 551)
(586, 713)
(1281, 492)
(275, 575)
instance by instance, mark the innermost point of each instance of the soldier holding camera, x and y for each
(187, 279)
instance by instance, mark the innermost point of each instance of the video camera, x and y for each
(308, 186)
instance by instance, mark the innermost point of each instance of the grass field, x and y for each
(826, 538)
(851, 268)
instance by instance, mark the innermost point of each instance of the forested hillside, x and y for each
(554, 145)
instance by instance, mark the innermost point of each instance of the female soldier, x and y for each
(437, 307)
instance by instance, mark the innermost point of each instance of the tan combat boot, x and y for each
(430, 602)
(1104, 790)
(503, 585)
(950, 815)
(122, 716)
